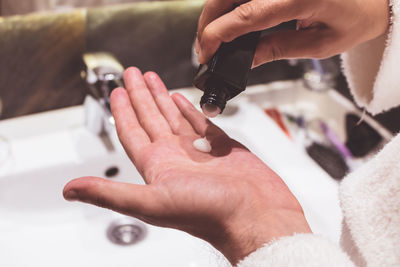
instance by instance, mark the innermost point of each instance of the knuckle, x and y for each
(245, 12)
(102, 201)
(211, 34)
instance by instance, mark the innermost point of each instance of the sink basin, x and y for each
(39, 228)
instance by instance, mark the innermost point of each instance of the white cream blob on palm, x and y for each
(202, 145)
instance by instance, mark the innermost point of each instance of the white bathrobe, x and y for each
(370, 197)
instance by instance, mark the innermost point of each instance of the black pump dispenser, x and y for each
(225, 75)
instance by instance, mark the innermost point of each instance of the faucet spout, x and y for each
(319, 75)
(102, 75)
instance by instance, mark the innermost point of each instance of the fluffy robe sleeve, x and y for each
(370, 197)
(372, 68)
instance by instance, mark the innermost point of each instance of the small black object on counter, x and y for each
(361, 137)
(328, 159)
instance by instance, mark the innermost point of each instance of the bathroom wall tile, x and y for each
(152, 36)
(40, 62)
(41, 53)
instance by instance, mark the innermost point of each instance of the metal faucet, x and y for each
(102, 75)
(319, 75)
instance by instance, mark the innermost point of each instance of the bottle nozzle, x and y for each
(210, 110)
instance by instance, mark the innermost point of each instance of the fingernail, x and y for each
(71, 195)
(298, 25)
(197, 46)
(200, 57)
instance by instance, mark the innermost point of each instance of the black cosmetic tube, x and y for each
(226, 74)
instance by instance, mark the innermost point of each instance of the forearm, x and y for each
(370, 67)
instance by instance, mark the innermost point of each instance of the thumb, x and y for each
(129, 199)
(308, 43)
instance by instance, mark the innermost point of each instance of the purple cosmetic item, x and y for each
(341, 148)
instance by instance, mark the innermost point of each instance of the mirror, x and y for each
(42, 52)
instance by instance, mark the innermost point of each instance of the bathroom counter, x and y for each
(49, 149)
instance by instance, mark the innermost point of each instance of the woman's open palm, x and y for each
(215, 196)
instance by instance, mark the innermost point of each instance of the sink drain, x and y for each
(126, 231)
(112, 172)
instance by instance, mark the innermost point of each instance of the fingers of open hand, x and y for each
(129, 199)
(167, 106)
(147, 112)
(130, 132)
(310, 43)
(251, 16)
(199, 122)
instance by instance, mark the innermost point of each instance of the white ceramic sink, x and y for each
(39, 228)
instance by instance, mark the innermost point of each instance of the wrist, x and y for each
(243, 238)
